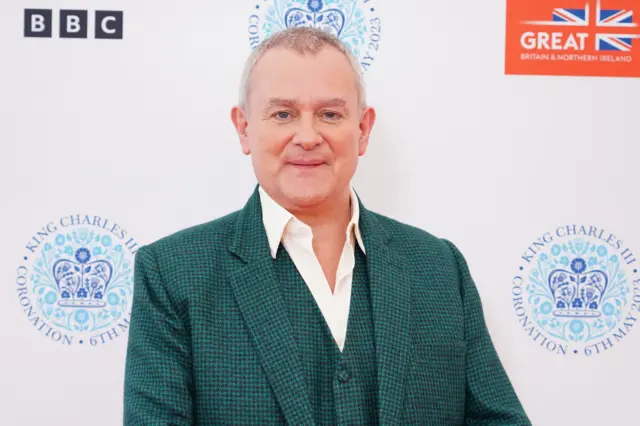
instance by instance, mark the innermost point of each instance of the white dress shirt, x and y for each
(297, 239)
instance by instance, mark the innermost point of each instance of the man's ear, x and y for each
(366, 125)
(239, 119)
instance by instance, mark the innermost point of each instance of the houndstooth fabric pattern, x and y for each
(211, 342)
(341, 385)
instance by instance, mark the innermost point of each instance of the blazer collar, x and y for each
(390, 284)
(258, 296)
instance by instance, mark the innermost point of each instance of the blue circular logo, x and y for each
(355, 22)
(577, 291)
(75, 283)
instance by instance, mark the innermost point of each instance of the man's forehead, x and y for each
(281, 62)
(283, 74)
(276, 54)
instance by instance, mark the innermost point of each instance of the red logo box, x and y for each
(573, 37)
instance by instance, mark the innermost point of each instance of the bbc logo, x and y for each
(73, 24)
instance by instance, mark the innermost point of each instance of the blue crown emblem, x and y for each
(354, 22)
(315, 16)
(82, 283)
(577, 293)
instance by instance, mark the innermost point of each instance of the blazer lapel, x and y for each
(263, 309)
(391, 302)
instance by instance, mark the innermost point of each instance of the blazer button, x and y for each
(343, 374)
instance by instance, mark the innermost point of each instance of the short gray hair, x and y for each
(302, 40)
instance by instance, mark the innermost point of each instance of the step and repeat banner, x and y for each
(511, 128)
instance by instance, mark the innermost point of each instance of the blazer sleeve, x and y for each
(158, 379)
(490, 399)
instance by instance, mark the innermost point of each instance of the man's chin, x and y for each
(306, 200)
(305, 195)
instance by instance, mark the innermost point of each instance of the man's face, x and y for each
(303, 125)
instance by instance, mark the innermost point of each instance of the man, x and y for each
(304, 307)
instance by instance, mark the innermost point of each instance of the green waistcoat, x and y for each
(341, 385)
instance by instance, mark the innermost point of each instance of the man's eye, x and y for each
(282, 115)
(331, 116)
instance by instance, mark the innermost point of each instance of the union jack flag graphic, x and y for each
(603, 18)
(615, 19)
(571, 16)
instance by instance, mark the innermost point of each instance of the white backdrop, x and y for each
(138, 131)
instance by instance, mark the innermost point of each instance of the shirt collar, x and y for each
(275, 219)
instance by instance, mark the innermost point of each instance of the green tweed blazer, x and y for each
(210, 341)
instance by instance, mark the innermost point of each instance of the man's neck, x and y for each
(333, 213)
(329, 224)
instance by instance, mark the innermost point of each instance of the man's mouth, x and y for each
(307, 163)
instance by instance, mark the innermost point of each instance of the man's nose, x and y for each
(307, 135)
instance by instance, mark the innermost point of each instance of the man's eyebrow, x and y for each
(279, 102)
(274, 102)
(335, 102)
